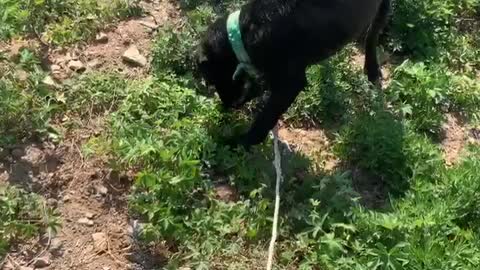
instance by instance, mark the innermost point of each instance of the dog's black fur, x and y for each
(284, 37)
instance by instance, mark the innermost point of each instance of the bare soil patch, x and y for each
(312, 143)
(455, 138)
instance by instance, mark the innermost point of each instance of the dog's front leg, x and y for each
(278, 103)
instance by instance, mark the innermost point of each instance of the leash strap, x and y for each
(278, 168)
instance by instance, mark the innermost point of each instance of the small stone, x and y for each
(101, 190)
(95, 63)
(26, 268)
(55, 244)
(48, 81)
(42, 262)
(226, 193)
(85, 221)
(4, 176)
(135, 229)
(133, 57)
(34, 156)
(76, 66)
(150, 25)
(101, 37)
(18, 153)
(89, 215)
(57, 74)
(55, 68)
(67, 198)
(22, 75)
(99, 241)
(52, 202)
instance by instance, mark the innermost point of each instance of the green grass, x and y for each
(22, 216)
(61, 22)
(172, 135)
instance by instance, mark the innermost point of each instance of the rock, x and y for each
(89, 215)
(226, 193)
(52, 202)
(4, 176)
(150, 25)
(99, 241)
(135, 229)
(48, 81)
(18, 153)
(34, 156)
(55, 244)
(42, 262)
(22, 75)
(85, 221)
(76, 66)
(26, 268)
(101, 190)
(95, 63)
(133, 57)
(101, 38)
(67, 198)
(55, 68)
(57, 73)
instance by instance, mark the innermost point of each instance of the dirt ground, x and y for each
(97, 231)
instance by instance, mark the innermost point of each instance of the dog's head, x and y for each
(216, 63)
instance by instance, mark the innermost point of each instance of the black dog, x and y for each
(282, 38)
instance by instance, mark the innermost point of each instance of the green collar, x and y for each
(235, 38)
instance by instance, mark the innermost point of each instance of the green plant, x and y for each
(95, 93)
(26, 104)
(375, 143)
(427, 28)
(22, 216)
(425, 93)
(61, 22)
(173, 51)
(421, 93)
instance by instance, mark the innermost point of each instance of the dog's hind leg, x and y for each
(372, 67)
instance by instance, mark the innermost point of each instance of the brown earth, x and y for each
(312, 143)
(455, 139)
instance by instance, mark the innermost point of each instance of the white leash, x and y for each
(278, 168)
